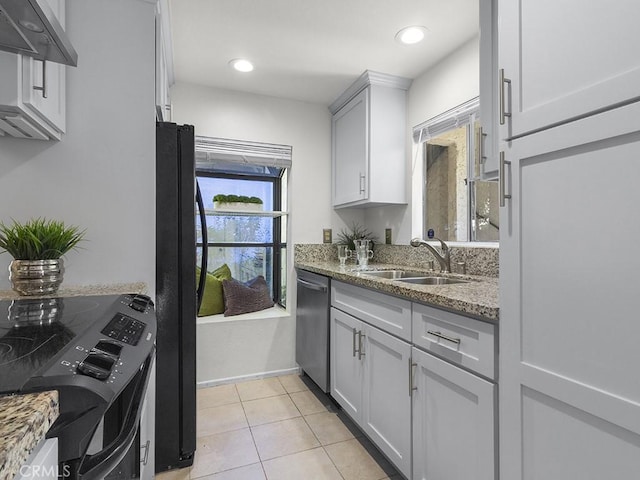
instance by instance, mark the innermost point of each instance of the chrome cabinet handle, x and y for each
(362, 177)
(355, 350)
(412, 387)
(444, 337)
(481, 137)
(360, 351)
(146, 452)
(501, 181)
(502, 81)
(43, 88)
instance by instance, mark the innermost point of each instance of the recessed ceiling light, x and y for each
(241, 65)
(411, 35)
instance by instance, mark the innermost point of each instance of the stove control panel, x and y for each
(124, 329)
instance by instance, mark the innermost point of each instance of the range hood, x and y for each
(30, 27)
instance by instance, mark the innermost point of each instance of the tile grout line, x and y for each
(253, 439)
(315, 436)
(303, 416)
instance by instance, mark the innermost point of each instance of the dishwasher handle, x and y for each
(312, 286)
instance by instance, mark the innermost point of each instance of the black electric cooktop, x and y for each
(35, 332)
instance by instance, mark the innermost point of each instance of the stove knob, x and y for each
(140, 302)
(97, 365)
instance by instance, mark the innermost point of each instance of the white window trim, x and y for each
(454, 118)
(213, 150)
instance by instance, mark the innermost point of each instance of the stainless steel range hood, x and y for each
(31, 28)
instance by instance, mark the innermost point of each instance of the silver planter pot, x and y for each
(36, 277)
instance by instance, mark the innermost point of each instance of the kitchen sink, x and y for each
(409, 276)
(432, 280)
(393, 274)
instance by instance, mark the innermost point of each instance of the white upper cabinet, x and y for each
(164, 63)
(565, 60)
(488, 134)
(368, 142)
(32, 97)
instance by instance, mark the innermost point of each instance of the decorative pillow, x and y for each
(246, 297)
(212, 297)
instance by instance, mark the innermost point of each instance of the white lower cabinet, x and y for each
(370, 380)
(42, 462)
(453, 421)
(428, 402)
(387, 396)
(346, 368)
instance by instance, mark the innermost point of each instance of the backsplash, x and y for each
(482, 261)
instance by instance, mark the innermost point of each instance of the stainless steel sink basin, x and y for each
(432, 280)
(393, 274)
(409, 276)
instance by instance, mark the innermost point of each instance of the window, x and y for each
(251, 243)
(458, 204)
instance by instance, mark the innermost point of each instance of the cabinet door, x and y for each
(453, 422)
(346, 367)
(387, 396)
(147, 429)
(163, 84)
(43, 83)
(569, 395)
(351, 150)
(488, 134)
(566, 59)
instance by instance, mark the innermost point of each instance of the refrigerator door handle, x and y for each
(205, 241)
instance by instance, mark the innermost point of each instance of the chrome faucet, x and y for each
(444, 258)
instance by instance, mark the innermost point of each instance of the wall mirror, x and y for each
(457, 204)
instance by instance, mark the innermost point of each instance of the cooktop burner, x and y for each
(33, 331)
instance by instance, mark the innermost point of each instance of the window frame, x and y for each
(277, 243)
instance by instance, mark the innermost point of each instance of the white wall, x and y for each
(305, 126)
(101, 175)
(234, 349)
(449, 83)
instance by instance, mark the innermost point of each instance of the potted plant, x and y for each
(37, 247)
(237, 202)
(357, 232)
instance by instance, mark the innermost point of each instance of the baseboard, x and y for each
(244, 378)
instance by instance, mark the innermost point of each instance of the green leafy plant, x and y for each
(357, 232)
(39, 239)
(236, 198)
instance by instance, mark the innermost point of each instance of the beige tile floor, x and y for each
(279, 428)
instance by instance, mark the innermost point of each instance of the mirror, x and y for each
(458, 205)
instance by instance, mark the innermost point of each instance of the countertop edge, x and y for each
(477, 299)
(24, 421)
(80, 290)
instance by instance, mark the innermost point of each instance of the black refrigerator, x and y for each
(177, 295)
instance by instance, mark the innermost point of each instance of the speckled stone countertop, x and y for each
(478, 298)
(24, 420)
(75, 291)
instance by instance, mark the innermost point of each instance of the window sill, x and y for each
(274, 312)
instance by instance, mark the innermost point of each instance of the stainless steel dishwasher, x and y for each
(312, 327)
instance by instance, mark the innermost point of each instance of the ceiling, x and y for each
(311, 50)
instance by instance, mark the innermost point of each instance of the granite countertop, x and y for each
(478, 298)
(75, 291)
(24, 421)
